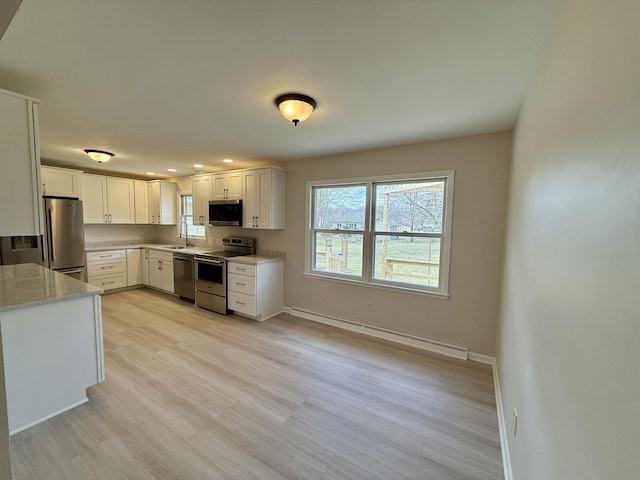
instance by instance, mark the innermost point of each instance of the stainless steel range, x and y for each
(211, 272)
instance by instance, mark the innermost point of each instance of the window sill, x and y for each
(409, 290)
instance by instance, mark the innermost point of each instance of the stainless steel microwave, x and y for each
(225, 212)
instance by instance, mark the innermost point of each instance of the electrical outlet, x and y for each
(368, 305)
(515, 421)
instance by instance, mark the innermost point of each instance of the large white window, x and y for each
(385, 231)
(186, 215)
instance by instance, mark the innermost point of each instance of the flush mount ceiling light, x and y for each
(227, 160)
(295, 107)
(99, 155)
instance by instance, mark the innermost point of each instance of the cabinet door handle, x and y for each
(241, 284)
(106, 267)
(240, 269)
(44, 188)
(159, 264)
(146, 254)
(240, 303)
(105, 218)
(109, 218)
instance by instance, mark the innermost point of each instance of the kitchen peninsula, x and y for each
(50, 344)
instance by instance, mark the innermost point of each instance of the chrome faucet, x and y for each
(186, 234)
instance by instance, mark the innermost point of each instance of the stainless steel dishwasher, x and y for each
(183, 278)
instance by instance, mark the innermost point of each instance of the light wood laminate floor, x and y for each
(195, 395)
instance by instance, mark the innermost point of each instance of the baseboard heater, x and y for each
(379, 332)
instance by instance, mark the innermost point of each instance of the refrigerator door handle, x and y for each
(52, 249)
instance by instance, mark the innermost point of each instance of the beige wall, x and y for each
(570, 328)
(469, 317)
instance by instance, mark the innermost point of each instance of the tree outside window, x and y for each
(390, 232)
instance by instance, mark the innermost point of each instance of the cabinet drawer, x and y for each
(108, 281)
(164, 256)
(106, 266)
(241, 283)
(241, 269)
(106, 255)
(242, 303)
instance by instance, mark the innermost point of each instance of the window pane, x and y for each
(187, 205)
(339, 207)
(194, 230)
(407, 259)
(409, 206)
(339, 253)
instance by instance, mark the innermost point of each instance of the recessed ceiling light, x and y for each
(227, 160)
(197, 166)
(172, 169)
(150, 173)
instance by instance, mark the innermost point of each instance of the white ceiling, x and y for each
(166, 83)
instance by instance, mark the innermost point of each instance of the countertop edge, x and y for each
(35, 303)
(255, 260)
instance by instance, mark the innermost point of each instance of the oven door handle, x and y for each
(210, 262)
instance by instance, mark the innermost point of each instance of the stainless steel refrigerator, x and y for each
(64, 236)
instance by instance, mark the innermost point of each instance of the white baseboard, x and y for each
(393, 336)
(502, 425)
(24, 427)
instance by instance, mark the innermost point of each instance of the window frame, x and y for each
(369, 233)
(181, 217)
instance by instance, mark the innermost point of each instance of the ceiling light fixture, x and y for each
(172, 169)
(295, 107)
(150, 173)
(99, 155)
(195, 165)
(227, 160)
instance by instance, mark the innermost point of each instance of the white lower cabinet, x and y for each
(107, 269)
(161, 270)
(134, 267)
(144, 264)
(256, 291)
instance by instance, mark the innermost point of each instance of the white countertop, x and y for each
(152, 246)
(28, 284)
(256, 259)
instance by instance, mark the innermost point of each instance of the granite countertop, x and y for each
(152, 246)
(256, 259)
(28, 284)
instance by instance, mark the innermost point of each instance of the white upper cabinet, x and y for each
(227, 186)
(94, 198)
(60, 182)
(263, 202)
(141, 195)
(107, 199)
(121, 200)
(20, 160)
(202, 191)
(162, 202)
